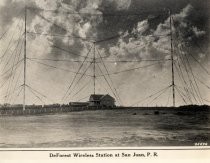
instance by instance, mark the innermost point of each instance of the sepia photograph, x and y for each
(104, 73)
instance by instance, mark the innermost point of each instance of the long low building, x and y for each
(79, 104)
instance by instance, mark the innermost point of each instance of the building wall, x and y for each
(107, 103)
(102, 103)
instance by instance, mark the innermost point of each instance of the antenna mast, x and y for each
(24, 80)
(94, 69)
(172, 59)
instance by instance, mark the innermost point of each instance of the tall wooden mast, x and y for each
(172, 60)
(24, 66)
(94, 69)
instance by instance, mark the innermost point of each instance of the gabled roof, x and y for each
(96, 97)
(99, 97)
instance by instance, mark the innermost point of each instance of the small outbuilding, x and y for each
(101, 100)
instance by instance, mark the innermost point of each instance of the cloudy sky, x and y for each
(60, 32)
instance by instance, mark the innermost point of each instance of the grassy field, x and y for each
(108, 128)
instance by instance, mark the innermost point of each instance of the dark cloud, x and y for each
(14, 9)
(112, 19)
(145, 10)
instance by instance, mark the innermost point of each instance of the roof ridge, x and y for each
(105, 95)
